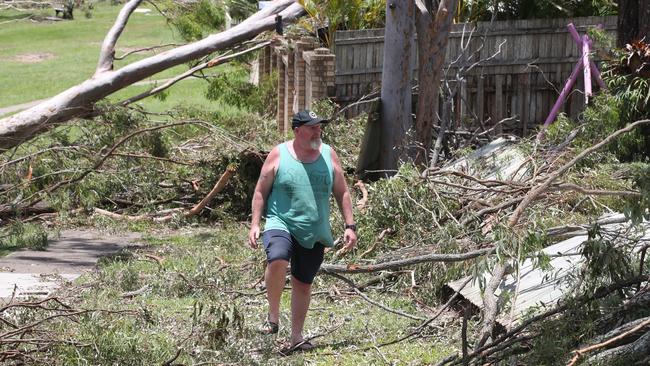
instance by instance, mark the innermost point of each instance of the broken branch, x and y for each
(447, 258)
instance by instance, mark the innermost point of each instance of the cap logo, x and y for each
(312, 114)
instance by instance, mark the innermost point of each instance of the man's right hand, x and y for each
(253, 235)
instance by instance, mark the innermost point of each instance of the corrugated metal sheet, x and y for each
(539, 289)
(499, 159)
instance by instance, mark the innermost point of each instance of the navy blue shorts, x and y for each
(305, 263)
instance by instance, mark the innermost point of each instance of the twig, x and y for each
(594, 192)
(170, 361)
(379, 240)
(135, 293)
(421, 327)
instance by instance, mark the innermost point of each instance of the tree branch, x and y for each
(107, 53)
(447, 258)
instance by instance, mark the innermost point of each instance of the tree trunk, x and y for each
(433, 35)
(633, 21)
(79, 100)
(396, 78)
(644, 20)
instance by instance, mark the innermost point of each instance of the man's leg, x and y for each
(274, 280)
(300, 297)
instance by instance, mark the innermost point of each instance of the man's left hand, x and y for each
(350, 240)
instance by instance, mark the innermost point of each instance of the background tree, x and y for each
(433, 34)
(633, 21)
(396, 85)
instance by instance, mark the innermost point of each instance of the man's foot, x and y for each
(269, 327)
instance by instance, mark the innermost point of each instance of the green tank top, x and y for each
(299, 199)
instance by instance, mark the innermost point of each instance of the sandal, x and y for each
(305, 345)
(269, 327)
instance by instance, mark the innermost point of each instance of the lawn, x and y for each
(40, 59)
(203, 298)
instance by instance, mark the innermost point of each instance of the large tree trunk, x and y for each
(79, 100)
(433, 34)
(633, 21)
(396, 79)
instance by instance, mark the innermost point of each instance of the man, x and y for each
(294, 190)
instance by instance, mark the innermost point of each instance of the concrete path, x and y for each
(37, 273)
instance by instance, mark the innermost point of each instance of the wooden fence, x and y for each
(505, 69)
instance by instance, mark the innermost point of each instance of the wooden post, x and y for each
(498, 101)
(282, 76)
(480, 97)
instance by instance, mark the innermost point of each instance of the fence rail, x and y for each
(504, 69)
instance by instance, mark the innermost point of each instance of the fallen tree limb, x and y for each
(581, 352)
(447, 258)
(101, 160)
(489, 299)
(218, 187)
(534, 193)
(601, 292)
(635, 353)
(80, 100)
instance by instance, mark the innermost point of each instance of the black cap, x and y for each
(306, 118)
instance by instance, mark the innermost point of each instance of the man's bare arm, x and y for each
(262, 190)
(344, 201)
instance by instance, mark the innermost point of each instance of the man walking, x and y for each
(293, 191)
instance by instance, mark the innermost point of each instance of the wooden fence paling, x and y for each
(522, 81)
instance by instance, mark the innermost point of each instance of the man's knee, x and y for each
(278, 265)
(300, 286)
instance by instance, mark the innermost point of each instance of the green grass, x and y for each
(71, 49)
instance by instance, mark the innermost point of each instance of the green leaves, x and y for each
(639, 209)
(606, 259)
(194, 20)
(233, 88)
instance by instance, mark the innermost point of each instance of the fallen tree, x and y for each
(79, 101)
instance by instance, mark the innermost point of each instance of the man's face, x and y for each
(310, 134)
